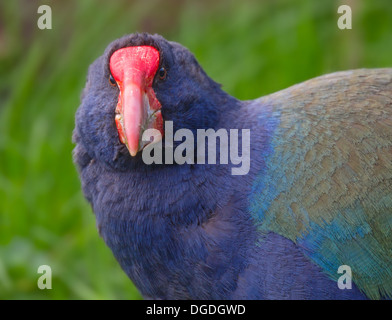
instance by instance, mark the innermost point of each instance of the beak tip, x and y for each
(133, 152)
(132, 143)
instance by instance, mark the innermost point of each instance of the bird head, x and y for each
(140, 82)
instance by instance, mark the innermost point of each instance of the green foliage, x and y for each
(251, 47)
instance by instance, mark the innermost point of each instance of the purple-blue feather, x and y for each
(327, 180)
(279, 232)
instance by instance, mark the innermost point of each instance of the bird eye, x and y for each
(112, 81)
(162, 73)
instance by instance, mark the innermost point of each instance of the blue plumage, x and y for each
(317, 196)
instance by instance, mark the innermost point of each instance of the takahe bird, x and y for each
(316, 196)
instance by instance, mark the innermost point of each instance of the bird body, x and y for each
(318, 194)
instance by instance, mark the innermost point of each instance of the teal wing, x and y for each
(327, 181)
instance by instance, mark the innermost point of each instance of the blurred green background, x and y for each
(251, 47)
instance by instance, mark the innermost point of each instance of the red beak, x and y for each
(138, 109)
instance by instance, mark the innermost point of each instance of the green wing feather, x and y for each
(328, 180)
